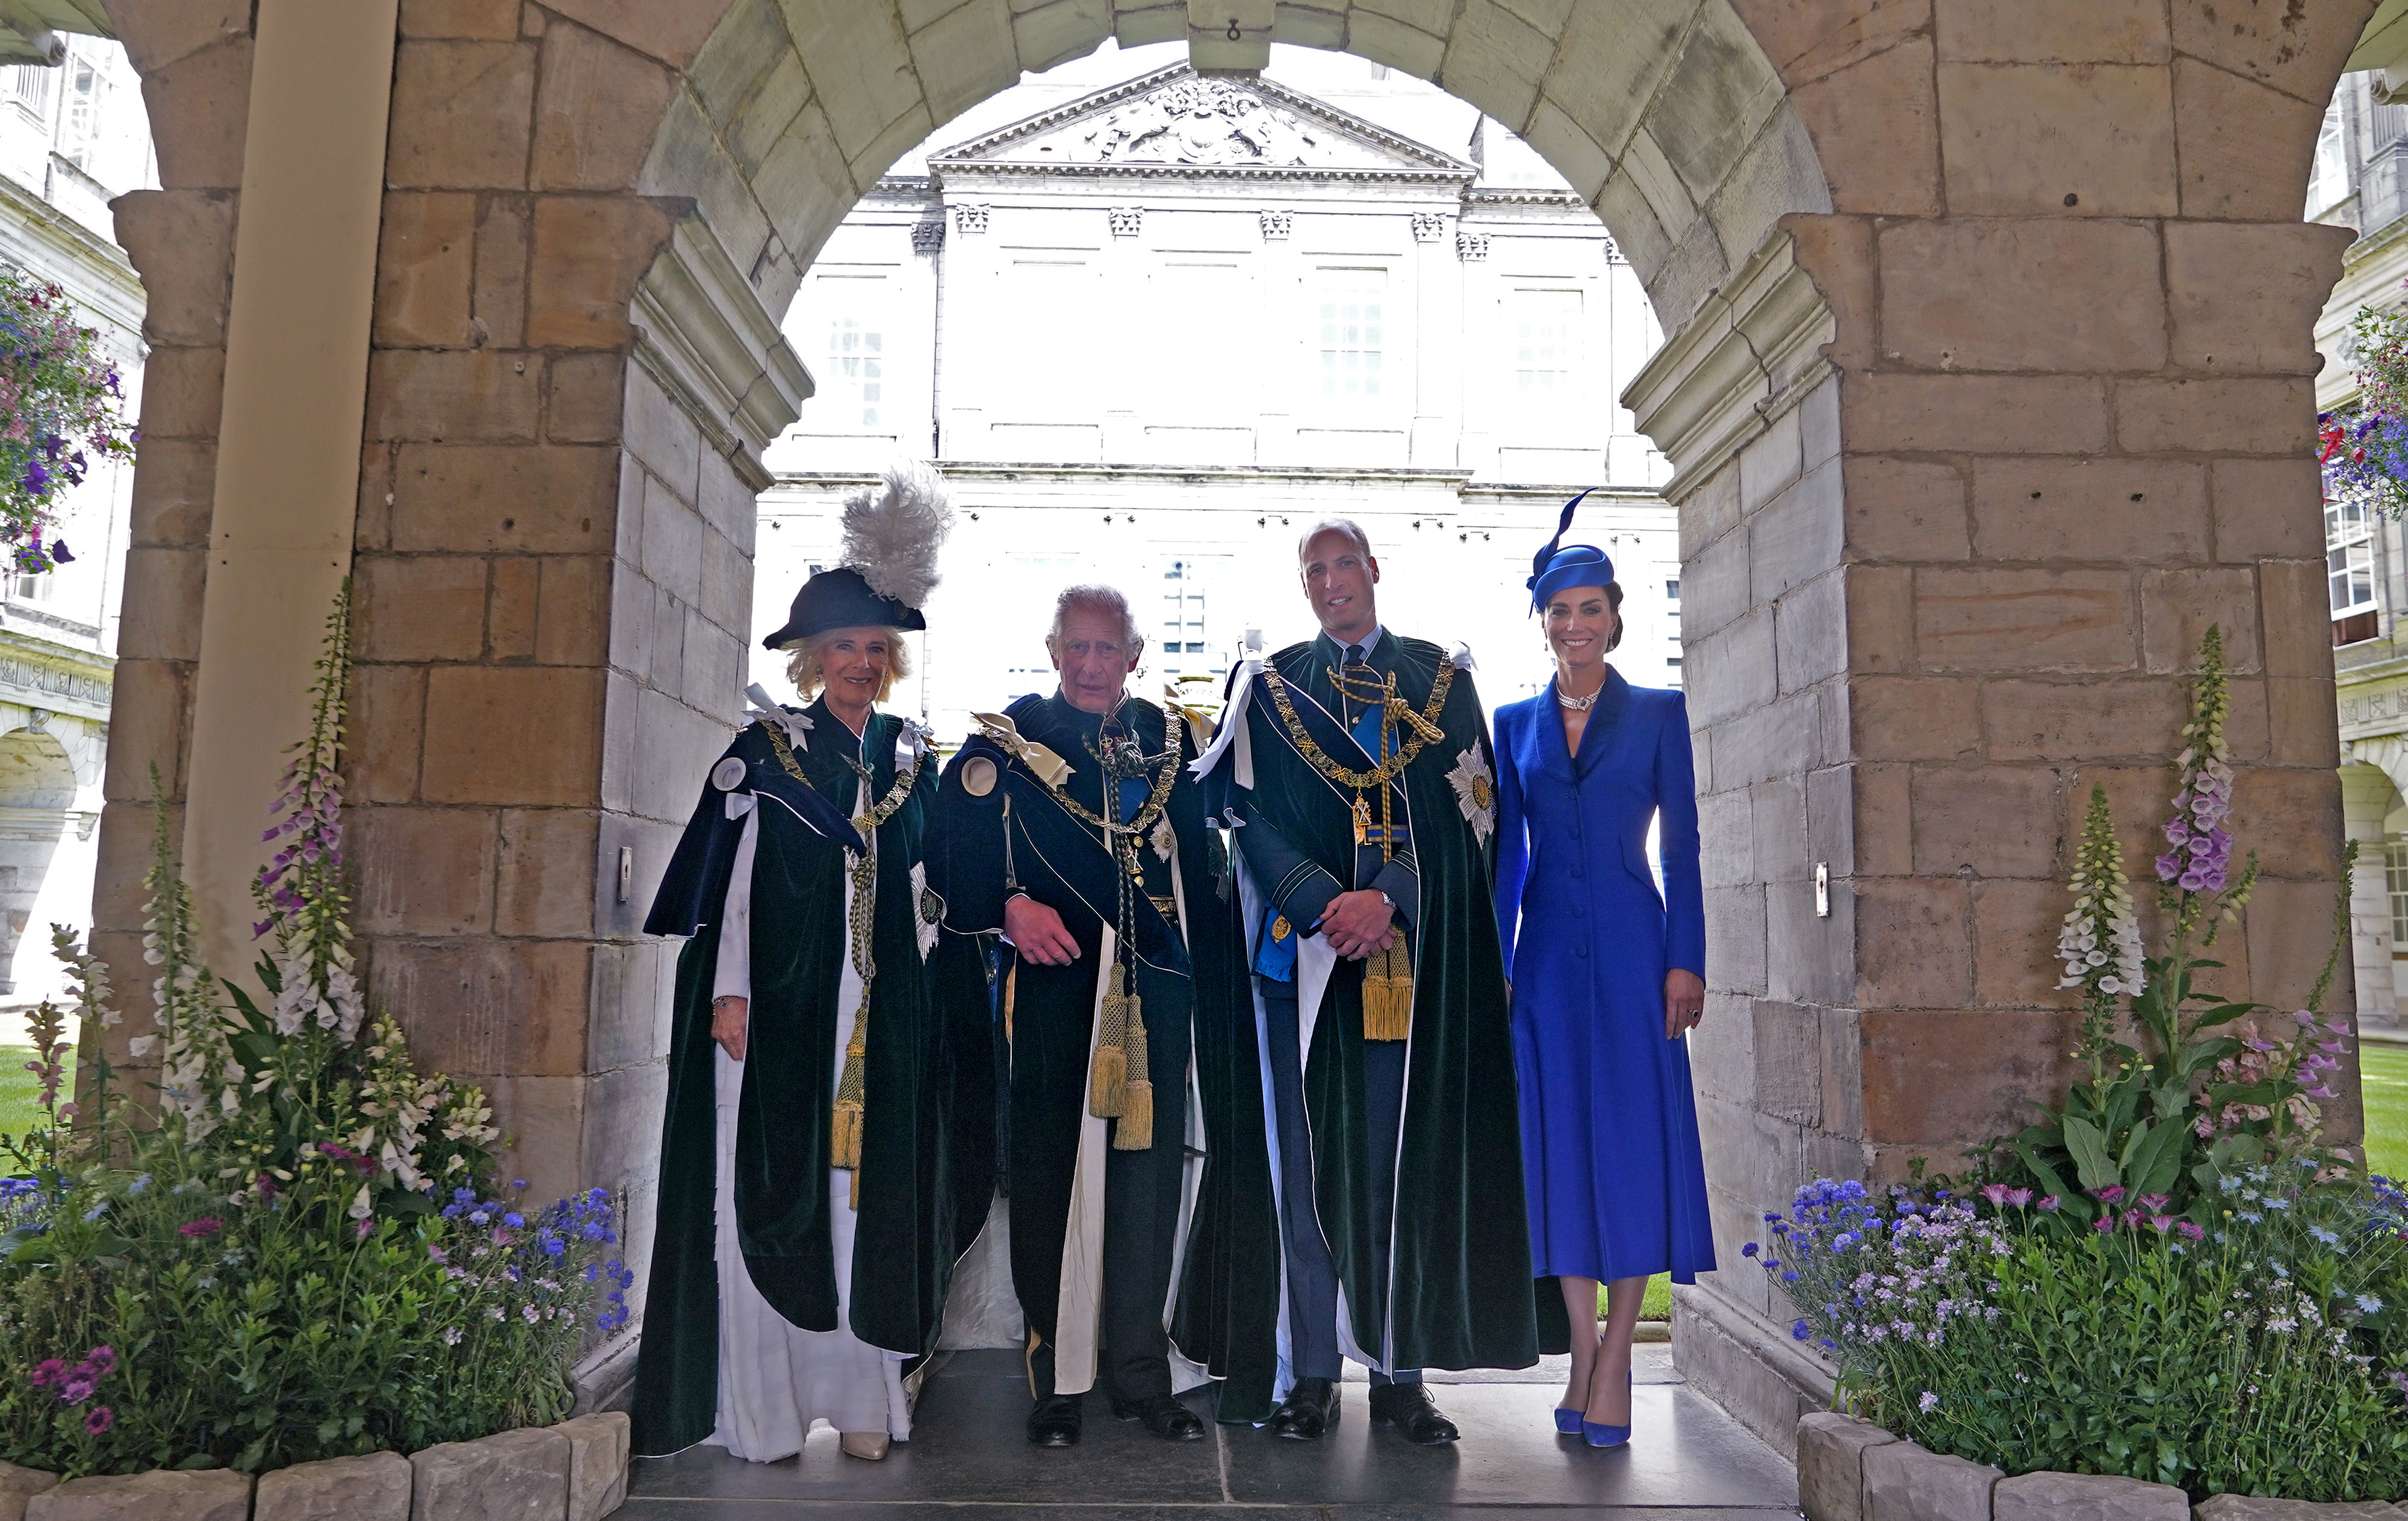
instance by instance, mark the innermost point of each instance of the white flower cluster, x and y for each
(2099, 941)
(199, 1077)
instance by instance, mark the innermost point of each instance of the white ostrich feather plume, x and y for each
(891, 536)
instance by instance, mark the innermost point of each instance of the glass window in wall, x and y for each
(2349, 567)
(86, 109)
(2395, 877)
(1350, 333)
(1545, 325)
(2329, 175)
(856, 368)
(27, 86)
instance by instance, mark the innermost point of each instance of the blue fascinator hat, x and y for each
(1560, 564)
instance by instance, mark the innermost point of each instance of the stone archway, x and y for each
(1987, 383)
(37, 787)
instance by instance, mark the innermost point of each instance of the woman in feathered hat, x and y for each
(1607, 978)
(805, 1236)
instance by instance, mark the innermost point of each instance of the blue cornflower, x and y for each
(95, 1212)
(1799, 1331)
(513, 1220)
(138, 1184)
(463, 1195)
(479, 1217)
(1749, 1250)
(2369, 1305)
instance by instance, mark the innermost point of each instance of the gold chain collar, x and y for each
(1153, 805)
(1425, 726)
(886, 807)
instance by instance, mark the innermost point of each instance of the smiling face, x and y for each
(1581, 626)
(853, 662)
(1338, 578)
(1094, 656)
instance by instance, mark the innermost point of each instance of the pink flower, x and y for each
(1996, 1193)
(2019, 1197)
(2049, 1201)
(100, 1420)
(101, 1359)
(2154, 1203)
(49, 1372)
(2104, 1225)
(2189, 1231)
(2112, 1193)
(207, 1224)
(2161, 1223)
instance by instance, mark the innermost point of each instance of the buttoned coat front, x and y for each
(1611, 1168)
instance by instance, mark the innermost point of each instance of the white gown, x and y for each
(775, 1379)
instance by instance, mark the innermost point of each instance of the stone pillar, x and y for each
(2366, 798)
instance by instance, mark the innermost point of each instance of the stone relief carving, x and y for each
(1429, 226)
(928, 236)
(1212, 122)
(1614, 251)
(1471, 247)
(1127, 221)
(968, 219)
(1277, 224)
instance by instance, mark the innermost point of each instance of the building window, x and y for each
(1672, 591)
(2395, 877)
(31, 588)
(1351, 338)
(2329, 175)
(87, 106)
(1546, 348)
(856, 361)
(2349, 567)
(27, 86)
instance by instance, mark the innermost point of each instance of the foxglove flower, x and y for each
(2100, 940)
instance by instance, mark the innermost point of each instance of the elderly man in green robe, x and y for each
(1357, 772)
(1076, 852)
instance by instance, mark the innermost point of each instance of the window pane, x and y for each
(1349, 331)
(2395, 874)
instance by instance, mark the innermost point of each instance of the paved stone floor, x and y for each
(968, 1459)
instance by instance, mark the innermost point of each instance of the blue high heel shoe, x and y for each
(1601, 1435)
(1568, 1422)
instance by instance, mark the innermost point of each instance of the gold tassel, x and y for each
(844, 1146)
(1135, 1133)
(853, 1199)
(1010, 987)
(1388, 995)
(1108, 1089)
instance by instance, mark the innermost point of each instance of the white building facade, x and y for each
(1154, 329)
(73, 136)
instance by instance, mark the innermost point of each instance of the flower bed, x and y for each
(59, 412)
(293, 1246)
(2171, 1278)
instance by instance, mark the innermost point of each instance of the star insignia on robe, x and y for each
(929, 908)
(1163, 839)
(1475, 792)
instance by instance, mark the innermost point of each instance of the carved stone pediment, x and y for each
(1173, 121)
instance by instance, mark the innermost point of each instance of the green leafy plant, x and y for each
(298, 1248)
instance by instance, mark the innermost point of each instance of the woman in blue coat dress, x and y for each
(1609, 975)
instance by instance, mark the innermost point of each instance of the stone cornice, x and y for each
(994, 169)
(716, 350)
(1751, 353)
(1008, 470)
(37, 673)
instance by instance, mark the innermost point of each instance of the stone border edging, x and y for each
(1850, 1469)
(575, 1471)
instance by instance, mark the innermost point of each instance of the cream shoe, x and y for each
(868, 1445)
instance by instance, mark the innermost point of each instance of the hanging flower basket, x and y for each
(61, 413)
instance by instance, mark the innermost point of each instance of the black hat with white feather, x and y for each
(889, 565)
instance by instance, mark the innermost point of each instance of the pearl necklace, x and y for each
(1579, 705)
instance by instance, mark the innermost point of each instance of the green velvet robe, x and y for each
(904, 1247)
(1229, 1276)
(1460, 1257)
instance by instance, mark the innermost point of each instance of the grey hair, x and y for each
(1095, 598)
(1348, 526)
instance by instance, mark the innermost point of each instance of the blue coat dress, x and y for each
(1609, 1159)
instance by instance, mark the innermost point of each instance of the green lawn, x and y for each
(2384, 1070)
(18, 1090)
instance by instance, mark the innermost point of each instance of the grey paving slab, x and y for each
(1684, 1451)
(969, 1461)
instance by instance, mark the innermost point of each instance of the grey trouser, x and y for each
(1312, 1274)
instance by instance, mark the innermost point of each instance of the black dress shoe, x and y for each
(1409, 1408)
(1309, 1411)
(1056, 1420)
(1163, 1415)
